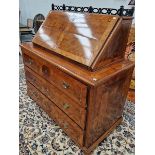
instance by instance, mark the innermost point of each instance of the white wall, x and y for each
(29, 8)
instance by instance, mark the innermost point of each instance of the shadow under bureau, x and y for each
(76, 72)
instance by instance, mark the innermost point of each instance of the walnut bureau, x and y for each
(76, 72)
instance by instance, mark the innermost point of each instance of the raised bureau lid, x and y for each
(77, 36)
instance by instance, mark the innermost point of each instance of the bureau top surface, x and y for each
(79, 72)
(77, 36)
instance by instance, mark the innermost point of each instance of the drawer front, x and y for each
(70, 86)
(71, 128)
(28, 61)
(70, 107)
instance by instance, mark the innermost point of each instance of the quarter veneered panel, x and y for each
(76, 36)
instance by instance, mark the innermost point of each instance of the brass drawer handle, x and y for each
(66, 106)
(65, 85)
(30, 61)
(65, 125)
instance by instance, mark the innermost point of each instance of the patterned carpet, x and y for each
(39, 135)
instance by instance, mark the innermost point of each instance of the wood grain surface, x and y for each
(70, 86)
(64, 102)
(75, 35)
(76, 72)
(71, 128)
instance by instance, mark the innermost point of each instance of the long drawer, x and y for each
(71, 128)
(70, 107)
(70, 86)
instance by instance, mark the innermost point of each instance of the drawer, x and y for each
(65, 103)
(71, 128)
(28, 61)
(70, 86)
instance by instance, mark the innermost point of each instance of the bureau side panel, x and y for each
(105, 105)
(115, 45)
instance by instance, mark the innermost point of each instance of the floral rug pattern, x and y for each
(40, 135)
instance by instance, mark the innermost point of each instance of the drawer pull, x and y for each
(65, 125)
(66, 106)
(65, 85)
(30, 61)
